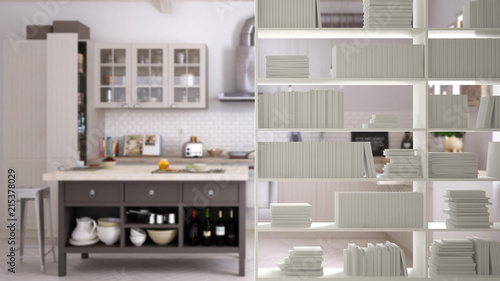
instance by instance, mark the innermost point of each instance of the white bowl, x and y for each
(108, 164)
(109, 238)
(108, 229)
(108, 222)
(199, 167)
(137, 232)
(137, 240)
(162, 237)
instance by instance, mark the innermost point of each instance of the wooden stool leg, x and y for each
(22, 231)
(40, 225)
(51, 229)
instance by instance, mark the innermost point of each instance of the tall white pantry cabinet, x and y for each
(39, 112)
(420, 34)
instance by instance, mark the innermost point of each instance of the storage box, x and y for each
(82, 30)
(38, 32)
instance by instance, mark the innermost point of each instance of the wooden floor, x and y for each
(179, 267)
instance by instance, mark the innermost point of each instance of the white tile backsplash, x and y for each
(230, 131)
(226, 130)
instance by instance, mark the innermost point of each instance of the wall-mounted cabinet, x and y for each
(150, 76)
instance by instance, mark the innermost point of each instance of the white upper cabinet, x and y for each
(150, 76)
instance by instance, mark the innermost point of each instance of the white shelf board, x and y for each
(479, 178)
(340, 179)
(328, 227)
(328, 274)
(457, 33)
(441, 226)
(339, 81)
(464, 81)
(342, 130)
(471, 130)
(339, 33)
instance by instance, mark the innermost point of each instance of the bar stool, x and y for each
(37, 194)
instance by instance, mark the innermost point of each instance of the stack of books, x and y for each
(378, 209)
(404, 163)
(464, 58)
(448, 111)
(375, 260)
(287, 66)
(481, 14)
(382, 121)
(452, 257)
(290, 215)
(453, 165)
(315, 160)
(303, 261)
(378, 61)
(313, 109)
(486, 255)
(489, 113)
(467, 208)
(388, 14)
(289, 14)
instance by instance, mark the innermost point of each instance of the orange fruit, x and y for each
(163, 164)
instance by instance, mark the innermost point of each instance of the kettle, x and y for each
(85, 229)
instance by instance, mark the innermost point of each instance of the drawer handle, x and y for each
(211, 193)
(92, 193)
(151, 193)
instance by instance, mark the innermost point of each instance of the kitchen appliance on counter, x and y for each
(193, 148)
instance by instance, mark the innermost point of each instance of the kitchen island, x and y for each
(112, 193)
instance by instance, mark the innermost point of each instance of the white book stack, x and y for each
(489, 113)
(448, 111)
(289, 14)
(374, 260)
(453, 165)
(291, 215)
(315, 160)
(467, 208)
(378, 209)
(378, 61)
(382, 121)
(388, 14)
(303, 261)
(464, 58)
(481, 14)
(452, 257)
(313, 109)
(287, 66)
(404, 163)
(486, 255)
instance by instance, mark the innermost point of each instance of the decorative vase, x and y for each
(453, 144)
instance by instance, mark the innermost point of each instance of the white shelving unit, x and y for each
(420, 34)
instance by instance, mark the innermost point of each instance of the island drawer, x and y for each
(210, 192)
(154, 192)
(89, 192)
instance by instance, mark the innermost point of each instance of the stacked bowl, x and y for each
(137, 236)
(108, 230)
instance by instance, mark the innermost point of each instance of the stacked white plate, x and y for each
(303, 261)
(290, 215)
(452, 257)
(453, 165)
(391, 14)
(467, 208)
(287, 66)
(404, 163)
(383, 121)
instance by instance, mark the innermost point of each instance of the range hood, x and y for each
(245, 66)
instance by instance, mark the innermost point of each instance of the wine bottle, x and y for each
(231, 229)
(193, 230)
(220, 230)
(207, 229)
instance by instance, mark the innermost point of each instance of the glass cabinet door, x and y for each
(187, 69)
(149, 76)
(113, 75)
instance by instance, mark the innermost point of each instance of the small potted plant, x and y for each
(453, 141)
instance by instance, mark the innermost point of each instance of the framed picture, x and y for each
(378, 140)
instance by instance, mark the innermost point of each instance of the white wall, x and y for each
(442, 13)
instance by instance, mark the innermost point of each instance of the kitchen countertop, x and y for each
(178, 160)
(143, 173)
